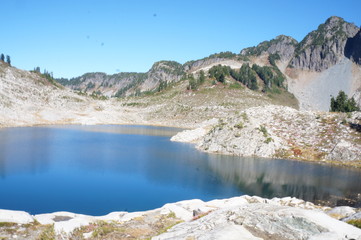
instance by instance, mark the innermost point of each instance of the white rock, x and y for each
(343, 211)
(194, 135)
(130, 216)
(180, 212)
(19, 217)
(66, 227)
(113, 216)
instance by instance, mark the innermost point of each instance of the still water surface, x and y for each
(99, 169)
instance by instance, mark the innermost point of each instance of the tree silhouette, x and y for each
(8, 60)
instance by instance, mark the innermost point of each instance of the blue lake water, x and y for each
(99, 169)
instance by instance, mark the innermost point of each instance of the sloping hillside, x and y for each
(27, 98)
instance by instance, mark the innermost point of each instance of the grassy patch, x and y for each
(132, 104)
(7, 224)
(235, 85)
(171, 215)
(48, 233)
(244, 116)
(355, 222)
(104, 228)
(268, 140)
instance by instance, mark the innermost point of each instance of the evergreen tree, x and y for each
(202, 77)
(162, 85)
(193, 83)
(8, 60)
(343, 104)
(219, 72)
(2, 57)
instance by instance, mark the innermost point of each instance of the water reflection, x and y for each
(126, 129)
(99, 169)
(18, 145)
(278, 178)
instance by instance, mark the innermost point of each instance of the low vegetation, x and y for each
(47, 75)
(355, 222)
(143, 227)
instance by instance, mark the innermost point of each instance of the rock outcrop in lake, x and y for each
(235, 218)
(283, 132)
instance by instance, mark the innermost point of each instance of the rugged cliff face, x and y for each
(353, 48)
(161, 72)
(325, 46)
(283, 45)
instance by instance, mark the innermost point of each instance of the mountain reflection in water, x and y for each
(99, 169)
(275, 178)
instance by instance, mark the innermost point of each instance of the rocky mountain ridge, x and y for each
(330, 53)
(123, 84)
(282, 45)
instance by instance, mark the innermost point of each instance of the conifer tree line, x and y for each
(46, 73)
(8, 60)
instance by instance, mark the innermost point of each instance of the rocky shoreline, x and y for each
(282, 132)
(242, 217)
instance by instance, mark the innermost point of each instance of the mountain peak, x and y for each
(282, 45)
(324, 47)
(334, 19)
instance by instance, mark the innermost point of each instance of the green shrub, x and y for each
(263, 130)
(343, 104)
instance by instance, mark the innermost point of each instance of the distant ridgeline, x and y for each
(263, 67)
(164, 73)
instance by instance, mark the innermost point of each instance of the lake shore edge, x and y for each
(267, 132)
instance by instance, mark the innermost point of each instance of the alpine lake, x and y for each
(100, 169)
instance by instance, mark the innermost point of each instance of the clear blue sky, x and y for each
(72, 37)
